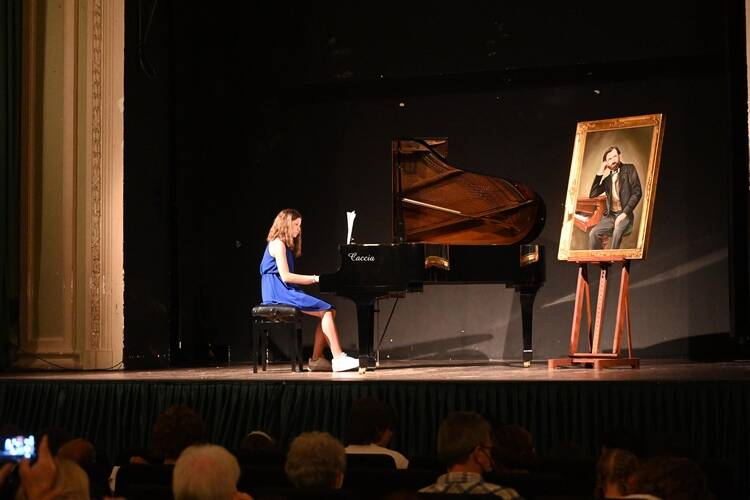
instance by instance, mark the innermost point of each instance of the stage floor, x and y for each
(421, 371)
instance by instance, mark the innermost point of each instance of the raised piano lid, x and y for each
(438, 203)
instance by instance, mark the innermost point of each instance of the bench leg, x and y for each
(264, 348)
(254, 340)
(298, 340)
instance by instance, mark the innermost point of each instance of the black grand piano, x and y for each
(450, 226)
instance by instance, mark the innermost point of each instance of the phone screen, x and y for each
(18, 447)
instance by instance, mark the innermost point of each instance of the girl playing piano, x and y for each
(279, 285)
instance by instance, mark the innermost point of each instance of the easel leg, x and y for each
(622, 309)
(582, 290)
(601, 301)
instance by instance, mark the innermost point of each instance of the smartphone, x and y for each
(16, 448)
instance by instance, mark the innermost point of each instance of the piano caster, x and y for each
(526, 364)
(364, 362)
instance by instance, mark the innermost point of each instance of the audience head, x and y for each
(671, 478)
(316, 460)
(79, 451)
(513, 448)
(370, 421)
(258, 441)
(258, 448)
(178, 427)
(465, 442)
(205, 472)
(614, 469)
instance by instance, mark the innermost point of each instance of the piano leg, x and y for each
(365, 331)
(527, 310)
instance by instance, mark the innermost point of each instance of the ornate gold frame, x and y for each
(575, 183)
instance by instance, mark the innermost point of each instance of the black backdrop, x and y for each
(234, 111)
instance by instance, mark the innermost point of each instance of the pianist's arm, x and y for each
(278, 250)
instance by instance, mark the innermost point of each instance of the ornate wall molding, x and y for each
(95, 248)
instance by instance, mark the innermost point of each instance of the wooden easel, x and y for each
(622, 322)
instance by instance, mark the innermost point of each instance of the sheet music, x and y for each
(350, 225)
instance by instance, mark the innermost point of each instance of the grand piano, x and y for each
(450, 226)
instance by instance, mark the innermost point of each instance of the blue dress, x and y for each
(275, 291)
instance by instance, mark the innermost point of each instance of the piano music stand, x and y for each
(622, 321)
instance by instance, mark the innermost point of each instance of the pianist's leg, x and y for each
(340, 362)
(319, 342)
(327, 327)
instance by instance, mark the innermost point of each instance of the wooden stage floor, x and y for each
(422, 371)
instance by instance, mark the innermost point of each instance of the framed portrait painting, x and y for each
(611, 189)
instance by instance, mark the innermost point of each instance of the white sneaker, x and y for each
(343, 363)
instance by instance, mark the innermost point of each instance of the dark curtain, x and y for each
(10, 97)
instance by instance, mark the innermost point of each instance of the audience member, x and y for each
(83, 453)
(316, 461)
(176, 428)
(370, 429)
(670, 478)
(258, 448)
(206, 472)
(258, 440)
(513, 451)
(613, 471)
(79, 451)
(464, 446)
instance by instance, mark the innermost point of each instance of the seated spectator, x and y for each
(464, 446)
(370, 429)
(258, 440)
(316, 461)
(670, 478)
(513, 451)
(206, 472)
(78, 450)
(176, 428)
(258, 448)
(82, 452)
(613, 471)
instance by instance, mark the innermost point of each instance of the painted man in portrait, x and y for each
(623, 189)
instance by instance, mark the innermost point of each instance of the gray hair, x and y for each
(205, 472)
(315, 460)
(459, 435)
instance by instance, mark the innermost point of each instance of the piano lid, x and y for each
(438, 203)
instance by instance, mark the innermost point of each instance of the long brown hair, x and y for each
(615, 467)
(282, 229)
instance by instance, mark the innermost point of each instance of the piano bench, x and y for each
(267, 317)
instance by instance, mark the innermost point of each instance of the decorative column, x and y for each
(72, 184)
(102, 167)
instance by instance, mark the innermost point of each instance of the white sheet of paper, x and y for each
(350, 225)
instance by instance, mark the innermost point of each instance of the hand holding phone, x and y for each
(17, 448)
